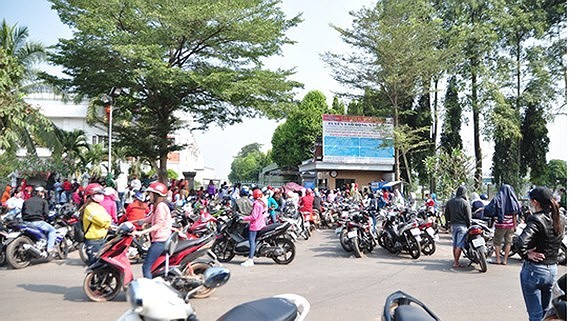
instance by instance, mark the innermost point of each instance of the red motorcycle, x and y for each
(182, 265)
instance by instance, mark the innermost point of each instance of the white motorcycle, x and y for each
(154, 299)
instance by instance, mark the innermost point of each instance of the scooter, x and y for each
(475, 247)
(400, 306)
(182, 264)
(156, 300)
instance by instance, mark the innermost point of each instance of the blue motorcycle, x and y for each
(26, 243)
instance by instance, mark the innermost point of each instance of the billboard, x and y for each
(358, 139)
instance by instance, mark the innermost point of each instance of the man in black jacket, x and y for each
(35, 211)
(458, 211)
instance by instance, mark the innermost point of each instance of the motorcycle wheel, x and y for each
(2, 252)
(562, 254)
(102, 285)
(481, 258)
(429, 247)
(83, 252)
(386, 242)
(288, 251)
(62, 249)
(16, 256)
(198, 268)
(355, 247)
(224, 250)
(414, 248)
(344, 241)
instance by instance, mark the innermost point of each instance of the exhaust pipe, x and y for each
(33, 251)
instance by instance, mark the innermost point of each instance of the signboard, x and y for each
(358, 139)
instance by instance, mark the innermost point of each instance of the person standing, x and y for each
(458, 213)
(540, 243)
(160, 225)
(110, 202)
(256, 223)
(505, 208)
(35, 211)
(96, 220)
(211, 189)
(272, 206)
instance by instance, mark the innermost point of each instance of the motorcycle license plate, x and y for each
(415, 231)
(338, 230)
(352, 234)
(478, 242)
(430, 231)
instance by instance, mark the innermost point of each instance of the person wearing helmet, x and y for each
(96, 220)
(243, 205)
(160, 225)
(256, 222)
(35, 211)
(136, 211)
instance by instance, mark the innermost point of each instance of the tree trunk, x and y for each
(476, 112)
(396, 149)
(434, 131)
(408, 173)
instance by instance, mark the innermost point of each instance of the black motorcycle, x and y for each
(356, 234)
(400, 306)
(397, 237)
(270, 242)
(475, 247)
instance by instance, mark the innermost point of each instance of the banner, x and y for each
(358, 139)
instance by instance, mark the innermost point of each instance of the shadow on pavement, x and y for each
(72, 294)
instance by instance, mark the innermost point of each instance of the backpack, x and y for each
(78, 230)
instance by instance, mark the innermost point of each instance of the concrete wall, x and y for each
(362, 178)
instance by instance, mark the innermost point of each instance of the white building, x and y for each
(70, 116)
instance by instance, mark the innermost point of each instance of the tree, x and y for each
(249, 162)
(556, 174)
(451, 137)
(535, 143)
(293, 140)
(396, 47)
(21, 125)
(199, 58)
(338, 107)
(452, 170)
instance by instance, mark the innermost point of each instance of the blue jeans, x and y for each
(458, 234)
(536, 283)
(47, 229)
(92, 247)
(154, 252)
(252, 236)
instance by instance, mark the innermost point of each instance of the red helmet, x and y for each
(158, 188)
(257, 193)
(93, 189)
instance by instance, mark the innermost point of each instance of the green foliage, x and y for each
(293, 140)
(170, 174)
(450, 136)
(450, 170)
(203, 58)
(355, 108)
(32, 166)
(249, 162)
(338, 107)
(534, 145)
(556, 174)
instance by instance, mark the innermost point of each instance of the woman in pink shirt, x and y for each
(161, 226)
(109, 203)
(256, 222)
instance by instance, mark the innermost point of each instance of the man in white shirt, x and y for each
(14, 204)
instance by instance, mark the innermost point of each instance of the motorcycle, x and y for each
(475, 247)
(26, 243)
(156, 300)
(270, 242)
(400, 306)
(182, 265)
(356, 234)
(396, 237)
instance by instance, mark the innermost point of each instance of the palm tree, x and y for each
(72, 145)
(21, 125)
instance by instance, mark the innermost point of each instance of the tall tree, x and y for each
(293, 140)
(535, 143)
(396, 46)
(338, 107)
(199, 58)
(451, 136)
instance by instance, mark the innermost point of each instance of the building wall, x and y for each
(362, 178)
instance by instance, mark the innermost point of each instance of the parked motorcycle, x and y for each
(475, 247)
(26, 243)
(270, 242)
(400, 306)
(156, 300)
(182, 265)
(357, 235)
(396, 237)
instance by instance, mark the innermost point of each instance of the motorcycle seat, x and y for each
(411, 313)
(184, 244)
(269, 228)
(275, 309)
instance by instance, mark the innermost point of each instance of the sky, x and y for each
(314, 36)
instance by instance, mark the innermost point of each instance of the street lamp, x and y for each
(108, 102)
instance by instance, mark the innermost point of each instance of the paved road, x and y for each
(338, 286)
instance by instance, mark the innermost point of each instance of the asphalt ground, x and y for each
(337, 285)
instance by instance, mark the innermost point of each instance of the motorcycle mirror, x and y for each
(215, 277)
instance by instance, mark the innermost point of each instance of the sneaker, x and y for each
(247, 263)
